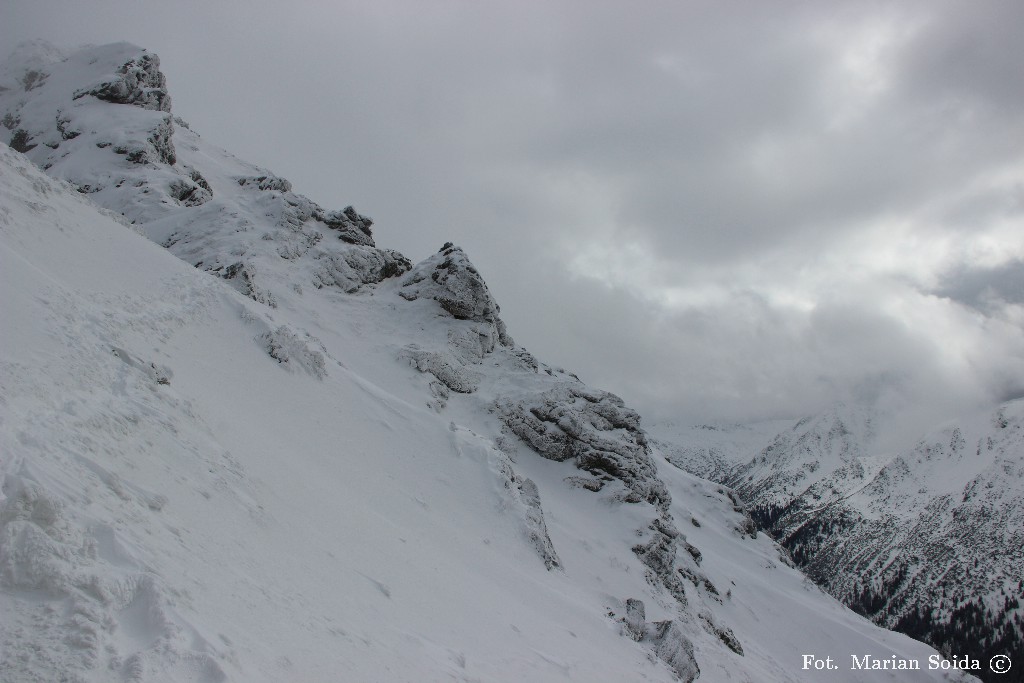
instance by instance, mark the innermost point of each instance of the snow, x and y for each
(199, 485)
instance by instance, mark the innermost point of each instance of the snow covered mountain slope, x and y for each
(325, 464)
(929, 541)
(100, 119)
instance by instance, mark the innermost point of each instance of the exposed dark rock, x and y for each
(699, 580)
(189, 193)
(693, 550)
(192, 192)
(136, 156)
(587, 483)
(139, 82)
(21, 141)
(354, 227)
(33, 79)
(198, 179)
(160, 138)
(160, 148)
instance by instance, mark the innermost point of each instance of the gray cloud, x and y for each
(715, 209)
(989, 290)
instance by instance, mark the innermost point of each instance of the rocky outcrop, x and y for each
(666, 640)
(596, 431)
(21, 141)
(353, 227)
(536, 528)
(352, 268)
(139, 82)
(659, 556)
(265, 183)
(455, 284)
(593, 428)
(452, 281)
(160, 139)
(450, 371)
(193, 191)
(675, 649)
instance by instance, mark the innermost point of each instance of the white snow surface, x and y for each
(203, 486)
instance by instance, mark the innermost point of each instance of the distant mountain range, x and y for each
(929, 541)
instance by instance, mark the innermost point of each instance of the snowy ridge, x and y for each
(206, 206)
(323, 464)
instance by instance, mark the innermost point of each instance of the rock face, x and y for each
(560, 418)
(675, 649)
(665, 638)
(138, 82)
(453, 373)
(452, 281)
(593, 428)
(354, 227)
(525, 497)
(601, 436)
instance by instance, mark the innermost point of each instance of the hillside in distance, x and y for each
(258, 447)
(928, 540)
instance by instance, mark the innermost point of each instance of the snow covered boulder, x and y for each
(449, 370)
(595, 429)
(352, 268)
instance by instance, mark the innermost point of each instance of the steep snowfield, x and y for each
(324, 463)
(245, 519)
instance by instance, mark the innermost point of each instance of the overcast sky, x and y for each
(718, 210)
